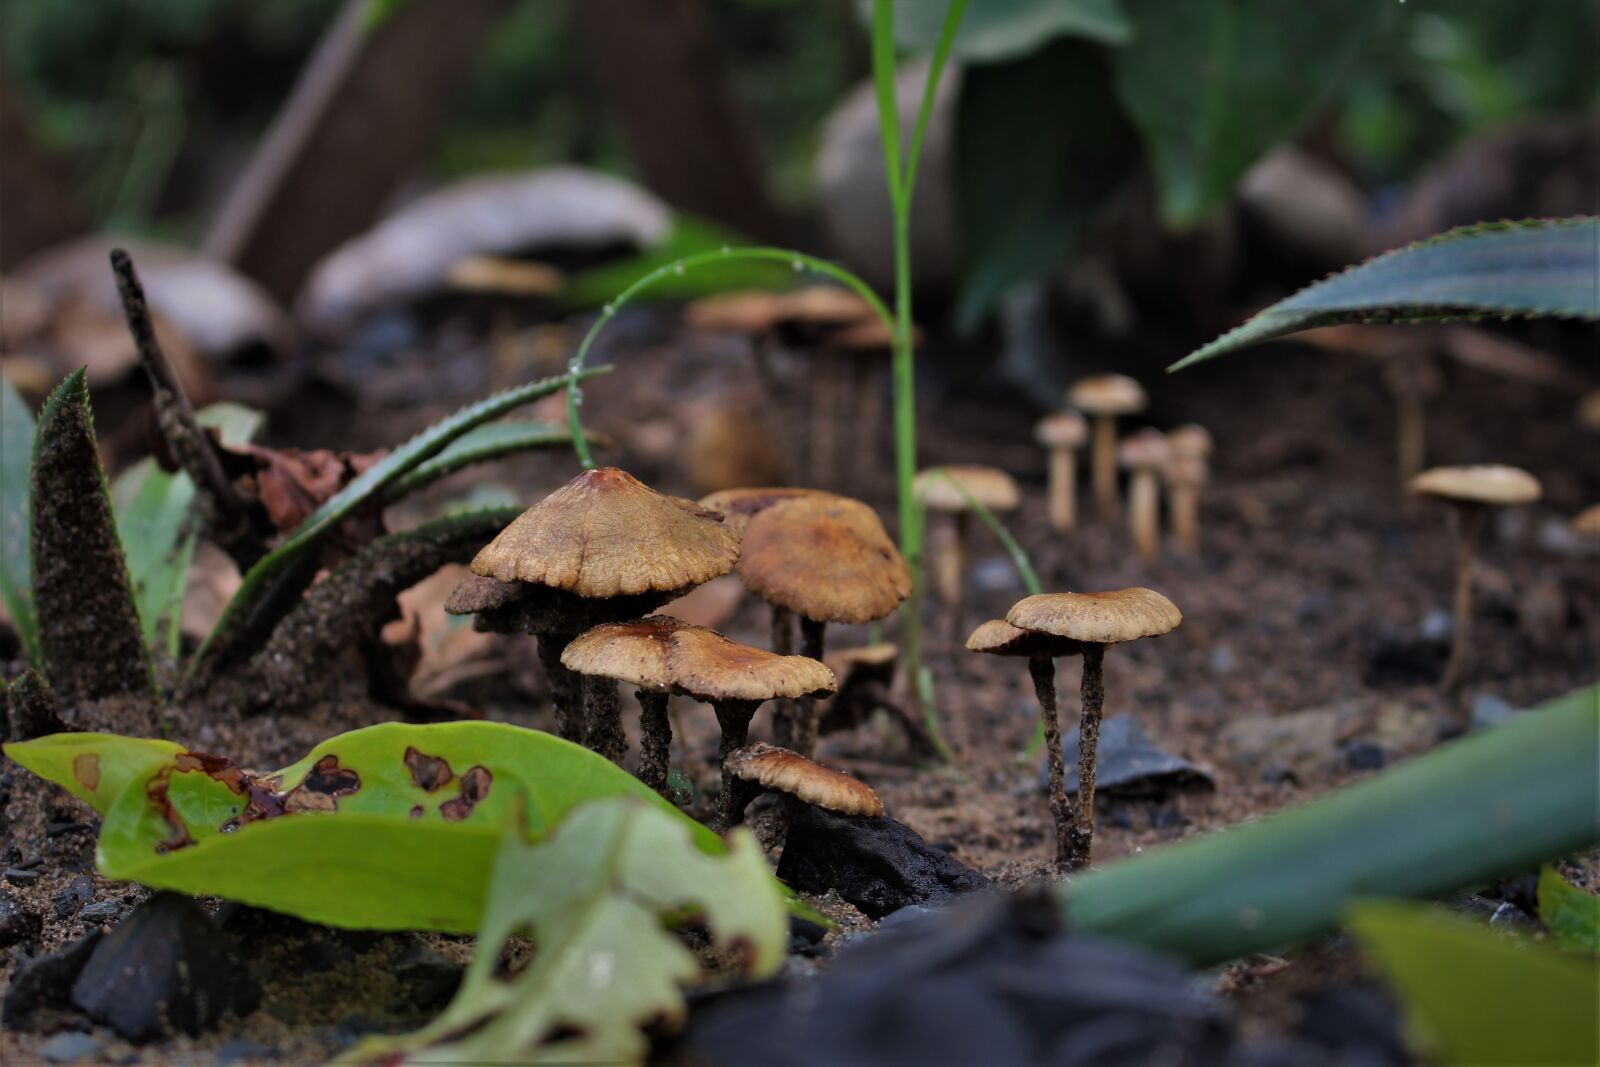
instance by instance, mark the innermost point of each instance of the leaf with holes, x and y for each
(1539, 268)
(595, 898)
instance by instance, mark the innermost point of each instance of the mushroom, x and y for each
(866, 678)
(866, 346)
(989, 486)
(1586, 524)
(1095, 621)
(603, 547)
(814, 318)
(761, 767)
(1061, 435)
(1145, 454)
(1471, 490)
(1105, 397)
(1186, 472)
(1412, 380)
(826, 559)
(1589, 411)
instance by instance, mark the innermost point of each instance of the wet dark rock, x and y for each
(103, 911)
(69, 1048)
(167, 966)
(429, 980)
(21, 876)
(1364, 756)
(44, 983)
(877, 864)
(17, 924)
(805, 930)
(79, 891)
(1127, 764)
(1359, 1023)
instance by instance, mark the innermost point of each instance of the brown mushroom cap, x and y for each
(990, 486)
(869, 335)
(751, 311)
(783, 771)
(1589, 410)
(637, 652)
(605, 534)
(1064, 429)
(1586, 523)
(496, 275)
(824, 558)
(1143, 449)
(999, 638)
(824, 305)
(1190, 439)
(737, 505)
(1485, 484)
(1107, 394)
(1097, 618)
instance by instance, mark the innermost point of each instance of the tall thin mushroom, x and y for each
(1144, 454)
(1186, 472)
(989, 486)
(1061, 435)
(1104, 398)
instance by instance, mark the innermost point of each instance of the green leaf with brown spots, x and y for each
(597, 898)
(393, 826)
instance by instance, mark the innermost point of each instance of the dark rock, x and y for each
(1364, 756)
(101, 912)
(69, 1048)
(17, 924)
(79, 891)
(1128, 765)
(429, 980)
(241, 1049)
(21, 876)
(44, 983)
(1511, 917)
(805, 930)
(166, 966)
(1280, 774)
(1359, 1022)
(1399, 660)
(877, 864)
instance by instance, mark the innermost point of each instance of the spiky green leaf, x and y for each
(16, 449)
(486, 443)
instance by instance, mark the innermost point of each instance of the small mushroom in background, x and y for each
(812, 319)
(1061, 435)
(754, 313)
(1095, 622)
(866, 684)
(500, 277)
(825, 559)
(1412, 379)
(1145, 454)
(1187, 470)
(1586, 524)
(731, 444)
(1471, 491)
(601, 548)
(989, 486)
(762, 768)
(866, 348)
(1589, 411)
(1104, 398)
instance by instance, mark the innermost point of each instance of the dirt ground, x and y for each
(1307, 657)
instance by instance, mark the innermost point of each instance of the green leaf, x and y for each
(1539, 267)
(1003, 29)
(390, 855)
(1476, 996)
(1025, 190)
(594, 898)
(262, 597)
(1213, 84)
(688, 236)
(486, 443)
(1476, 808)
(1571, 915)
(16, 450)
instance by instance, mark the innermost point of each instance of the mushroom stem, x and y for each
(1411, 438)
(603, 718)
(826, 397)
(564, 687)
(655, 740)
(1144, 510)
(1469, 519)
(1183, 500)
(733, 716)
(1105, 465)
(1063, 489)
(1093, 694)
(783, 714)
(805, 732)
(1043, 670)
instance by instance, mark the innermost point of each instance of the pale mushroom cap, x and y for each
(783, 771)
(1589, 410)
(606, 534)
(1586, 523)
(878, 655)
(751, 311)
(1097, 618)
(1144, 449)
(1107, 394)
(824, 305)
(1185, 470)
(990, 486)
(737, 505)
(826, 559)
(637, 652)
(1064, 429)
(999, 638)
(506, 277)
(1190, 439)
(1485, 484)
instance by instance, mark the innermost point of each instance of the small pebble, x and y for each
(1223, 660)
(16, 924)
(1364, 756)
(101, 911)
(1437, 625)
(18, 876)
(79, 891)
(69, 1048)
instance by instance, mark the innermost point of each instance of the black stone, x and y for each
(21, 876)
(429, 980)
(17, 924)
(1364, 756)
(79, 891)
(44, 983)
(101, 912)
(166, 965)
(877, 864)
(1127, 764)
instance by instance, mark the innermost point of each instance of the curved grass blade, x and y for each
(487, 442)
(1538, 268)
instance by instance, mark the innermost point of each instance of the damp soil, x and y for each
(1313, 633)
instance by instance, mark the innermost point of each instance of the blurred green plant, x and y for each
(1571, 915)
(16, 454)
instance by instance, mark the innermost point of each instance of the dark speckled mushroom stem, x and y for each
(734, 717)
(1093, 693)
(564, 687)
(783, 712)
(1469, 520)
(655, 740)
(1043, 670)
(805, 734)
(602, 712)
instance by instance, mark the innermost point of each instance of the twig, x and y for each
(227, 518)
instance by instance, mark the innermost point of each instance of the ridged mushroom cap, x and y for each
(1097, 618)
(1143, 449)
(751, 311)
(999, 638)
(1483, 484)
(660, 652)
(1063, 429)
(782, 771)
(638, 652)
(737, 505)
(824, 558)
(990, 486)
(606, 534)
(1107, 394)
(1190, 439)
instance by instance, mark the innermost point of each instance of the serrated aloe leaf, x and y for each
(260, 599)
(16, 450)
(1538, 268)
(595, 898)
(481, 445)
(1474, 809)
(1571, 915)
(1478, 996)
(387, 814)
